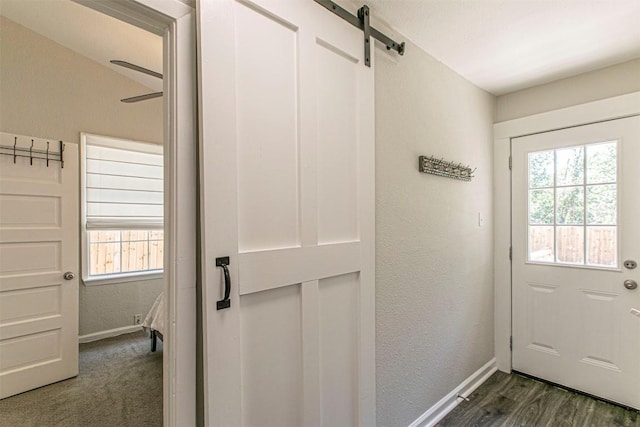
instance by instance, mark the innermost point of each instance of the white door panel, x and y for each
(38, 244)
(288, 194)
(572, 322)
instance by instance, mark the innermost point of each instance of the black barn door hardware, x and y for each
(362, 21)
(225, 302)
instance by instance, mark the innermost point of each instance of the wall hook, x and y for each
(441, 167)
(32, 152)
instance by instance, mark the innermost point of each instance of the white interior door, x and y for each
(575, 209)
(287, 161)
(38, 244)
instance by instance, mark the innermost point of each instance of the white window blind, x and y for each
(123, 184)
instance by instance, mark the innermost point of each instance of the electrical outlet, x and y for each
(137, 319)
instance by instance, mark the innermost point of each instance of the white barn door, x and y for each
(38, 245)
(287, 158)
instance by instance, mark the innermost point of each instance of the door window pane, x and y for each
(541, 206)
(601, 204)
(602, 246)
(570, 206)
(570, 166)
(541, 244)
(570, 241)
(541, 169)
(601, 163)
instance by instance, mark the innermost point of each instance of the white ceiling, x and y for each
(499, 45)
(506, 45)
(92, 34)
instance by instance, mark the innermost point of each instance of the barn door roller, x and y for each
(362, 21)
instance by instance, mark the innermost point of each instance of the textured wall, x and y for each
(49, 91)
(107, 307)
(434, 278)
(592, 86)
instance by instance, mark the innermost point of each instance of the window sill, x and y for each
(113, 279)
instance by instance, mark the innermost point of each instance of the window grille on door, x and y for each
(572, 205)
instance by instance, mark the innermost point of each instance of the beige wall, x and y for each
(592, 86)
(49, 91)
(434, 264)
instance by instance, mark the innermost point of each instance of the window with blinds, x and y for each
(122, 189)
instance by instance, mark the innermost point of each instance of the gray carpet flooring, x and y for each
(119, 385)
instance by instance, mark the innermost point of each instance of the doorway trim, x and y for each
(174, 20)
(503, 132)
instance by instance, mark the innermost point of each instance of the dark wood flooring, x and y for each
(514, 400)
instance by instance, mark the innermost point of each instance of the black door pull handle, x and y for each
(225, 302)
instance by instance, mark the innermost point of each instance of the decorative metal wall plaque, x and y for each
(440, 167)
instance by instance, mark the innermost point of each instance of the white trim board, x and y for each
(451, 400)
(591, 112)
(95, 336)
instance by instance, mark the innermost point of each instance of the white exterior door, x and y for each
(575, 209)
(38, 244)
(287, 157)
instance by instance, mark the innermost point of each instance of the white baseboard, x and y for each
(108, 333)
(451, 400)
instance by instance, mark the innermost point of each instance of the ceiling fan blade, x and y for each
(142, 97)
(134, 67)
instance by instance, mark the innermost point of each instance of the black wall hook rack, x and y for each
(30, 153)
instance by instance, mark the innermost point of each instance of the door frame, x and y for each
(174, 20)
(503, 132)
